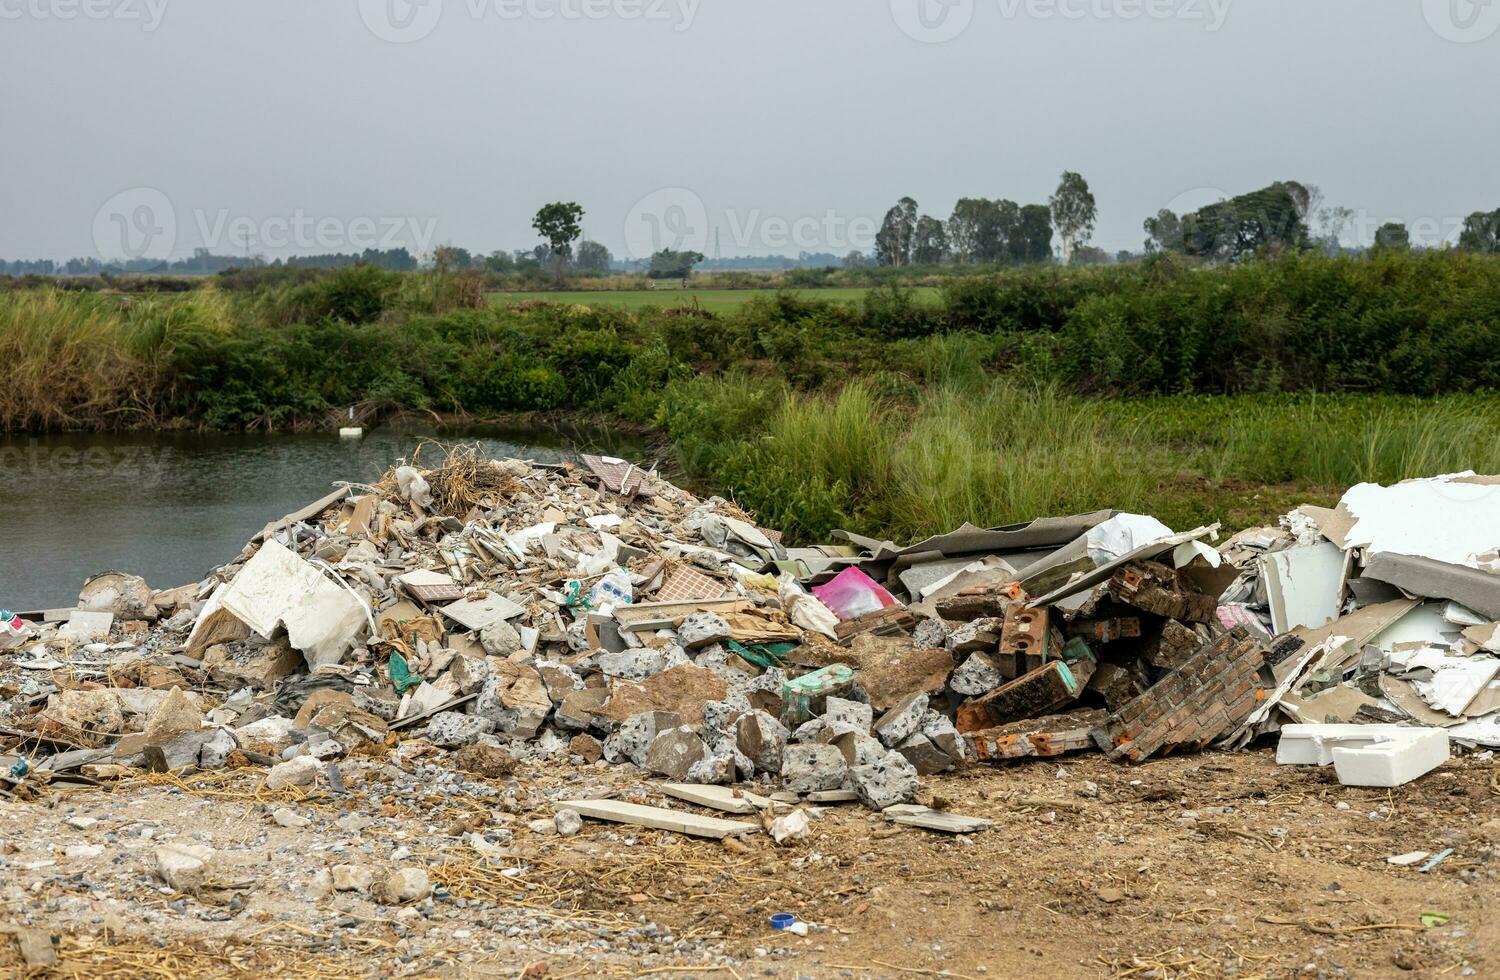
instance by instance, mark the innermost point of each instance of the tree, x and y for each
(449, 257)
(668, 264)
(1481, 233)
(930, 244)
(1033, 238)
(1090, 255)
(593, 257)
(1073, 212)
(1164, 232)
(856, 260)
(1392, 237)
(893, 243)
(559, 224)
(964, 228)
(1272, 219)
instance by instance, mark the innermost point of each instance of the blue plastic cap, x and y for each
(783, 920)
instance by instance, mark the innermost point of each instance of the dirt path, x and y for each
(1205, 866)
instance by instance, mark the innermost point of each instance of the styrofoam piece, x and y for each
(1313, 745)
(1393, 762)
(277, 588)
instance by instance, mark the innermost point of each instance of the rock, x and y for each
(632, 665)
(683, 690)
(810, 731)
(812, 768)
(940, 731)
(270, 736)
(583, 709)
(719, 717)
(127, 596)
(891, 668)
(182, 865)
(401, 887)
(500, 640)
(567, 822)
(858, 749)
(701, 629)
(842, 716)
(515, 699)
(586, 746)
(981, 635)
(251, 662)
(560, 681)
(639, 731)
(301, 771)
(674, 752)
(927, 758)
(544, 826)
(485, 761)
(714, 770)
(469, 674)
(93, 712)
(978, 675)
(885, 783)
(292, 821)
(930, 634)
(453, 729)
(902, 721)
(176, 715)
(353, 878)
(317, 701)
(216, 751)
(762, 739)
(326, 749)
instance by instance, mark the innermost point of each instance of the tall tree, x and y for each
(1272, 219)
(1164, 232)
(893, 243)
(1073, 212)
(592, 257)
(930, 244)
(559, 224)
(964, 228)
(1392, 237)
(1481, 233)
(1033, 239)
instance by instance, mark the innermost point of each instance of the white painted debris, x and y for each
(657, 818)
(86, 625)
(1365, 755)
(277, 588)
(1445, 518)
(1407, 860)
(794, 826)
(481, 614)
(1122, 534)
(1304, 585)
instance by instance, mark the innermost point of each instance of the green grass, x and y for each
(712, 300)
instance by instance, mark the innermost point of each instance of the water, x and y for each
(172, 506)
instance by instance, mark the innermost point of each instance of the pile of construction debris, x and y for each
(505, 610)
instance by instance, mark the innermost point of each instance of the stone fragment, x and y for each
(639, 731)
(927, 758)
(353, 878)
(217, 749)
(453, 729)
(500, 639)
(182, 865)
(126, 596)
(902, 721)
(812, 768)
(859, 749)
(885, 783)
(583, 708)
(485, 761)
(981, 635)
(890, 668)
(674, 752)
(762, 739)
(85, 712)
(176, 715)
(469, 674)
(701, 629)
(713, 770)
(978, 675)
(567, 822)
(252, 662)
(586, 746)
(401, 887)
(515, 699)
(289, 819)
(683, 690)
(300, 771)
(841, 715)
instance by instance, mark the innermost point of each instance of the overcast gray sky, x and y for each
(317, 125)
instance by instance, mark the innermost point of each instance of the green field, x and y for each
(713, 300)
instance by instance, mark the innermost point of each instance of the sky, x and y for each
(282, 127)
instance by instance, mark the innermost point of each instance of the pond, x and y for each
(172, 506)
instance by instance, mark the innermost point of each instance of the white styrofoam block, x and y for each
(1394, 761)
(1313, 745)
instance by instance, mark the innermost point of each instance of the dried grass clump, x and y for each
(465, 478)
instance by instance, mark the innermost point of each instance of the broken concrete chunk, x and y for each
(930, 634)
(812, 768)
(182, 865)
(401, 887)
(978, 636)
(713, 770)
(859, 749)
(978, 675)
(701, 629)
(762, 739)
(925, 756)
(300, 771)
(840, 715)
(453, 730)
(902, 721)
(252, 662)
(890, 668)
(885, 783)
(500, 639)
(674, 752)
(124, 596)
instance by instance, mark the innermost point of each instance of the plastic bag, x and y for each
(852, 594)
(613, 589)
(803, 609)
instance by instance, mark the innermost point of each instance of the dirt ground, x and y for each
(1215, 865)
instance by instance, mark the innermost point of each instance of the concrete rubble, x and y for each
(536, 611)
